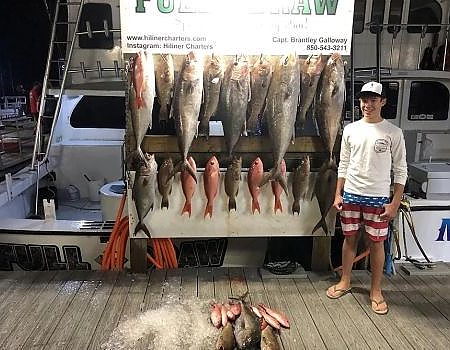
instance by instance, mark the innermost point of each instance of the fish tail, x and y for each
(277, 205)
(208, 210)
(139, 102)
(187, 208)
(163, 113)
(275, 175)
(165, 202)
(189, 168)
(296, 207)
(321, 224)
(140, 226)
(203, 127)
(255, 206)
(231, 204)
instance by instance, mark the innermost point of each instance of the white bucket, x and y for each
(94, 190)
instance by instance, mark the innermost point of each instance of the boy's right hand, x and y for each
(338, 201)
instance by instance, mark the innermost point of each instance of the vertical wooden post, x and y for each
(138, 255)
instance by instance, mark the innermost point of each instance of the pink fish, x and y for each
(188, 184)
(282, 319)
(277, 189)
(211, 183)
(254, 178)
(216, 316)
(269, 319)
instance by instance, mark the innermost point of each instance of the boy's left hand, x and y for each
(390, 211)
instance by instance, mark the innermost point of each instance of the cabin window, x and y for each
(377, 15)
(424, 12)
(358, 16)
(395, 14)
(96, 17)
(106, 112)
(428, 100)
(389, 111)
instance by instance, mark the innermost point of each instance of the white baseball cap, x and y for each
(372, 88)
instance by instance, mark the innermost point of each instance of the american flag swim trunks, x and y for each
(358, 210)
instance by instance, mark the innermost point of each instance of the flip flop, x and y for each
(375, 307)
(336, 293)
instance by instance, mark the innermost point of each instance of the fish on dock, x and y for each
(277, 189)
(232, 181)
(254, 177)
(211, 178)
(300, 183)
(188, 184)
(165, 181)
(164, 76)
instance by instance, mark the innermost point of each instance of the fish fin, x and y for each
(176, 169)
(321, 224)
(191, 171)
(187, 208)
(255, 206)
(208, 210)
(139, 102)
(231, 204)
(277, 205)
(203, 128)
(296, 207)
(165, 202)
(140, 226)
(275, 175)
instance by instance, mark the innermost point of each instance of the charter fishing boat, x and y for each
(59, 211)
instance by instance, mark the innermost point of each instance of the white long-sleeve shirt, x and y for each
(369, 151)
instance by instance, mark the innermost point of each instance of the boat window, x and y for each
(424, 12)
(395, 14)
(389, 111)
(358, 16)
(95, 16)
(377, 15)
(99, 112)
(428, 100)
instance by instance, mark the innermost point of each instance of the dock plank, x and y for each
(33, 308)
(188, 283)
(329, 333)
(205, 278)
(74, 313)
(112, 311)
(222, 285)
(400, 333)
(52, 316)
(419, 301)
(238, 282)
(299, 317)
(345, 313)
(82, 335)
(135, 297)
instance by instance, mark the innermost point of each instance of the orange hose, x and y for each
(114, 253)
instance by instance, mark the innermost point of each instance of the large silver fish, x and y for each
(247, 329)
(280, 112)
(310, 71)
(260, 76)
(143, 192)
(269, 340)
(324, 190)
(165, 181)
(300, 183)
(164, 75)
(233, 101)
(330, 100)
(141, 94)
(186, 107)
(212, 81)
(232, 181)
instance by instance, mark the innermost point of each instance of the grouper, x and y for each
(280, 112)
(186, 107)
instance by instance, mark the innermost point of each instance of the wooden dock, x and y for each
(80, 310)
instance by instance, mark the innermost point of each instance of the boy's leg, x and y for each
(348, 255)
(376, 267)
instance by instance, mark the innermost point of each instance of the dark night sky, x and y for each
(24, 39)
